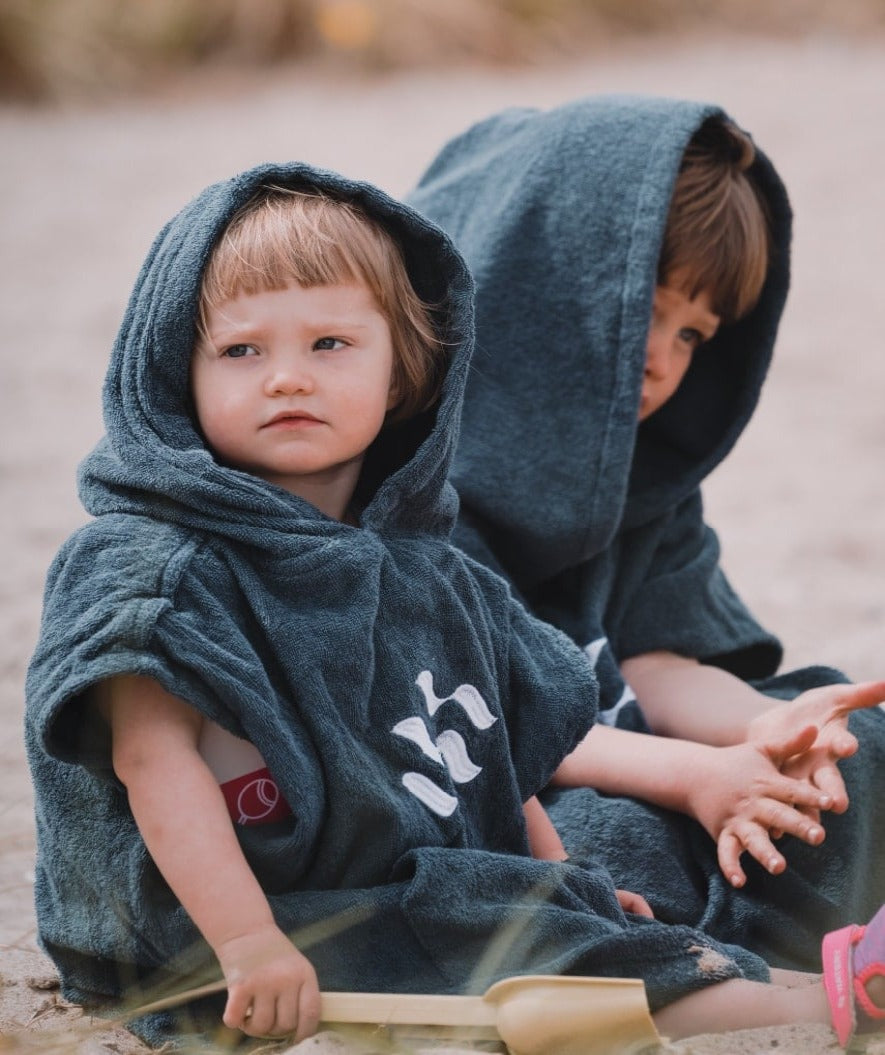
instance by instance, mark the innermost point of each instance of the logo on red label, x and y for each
(255, 798)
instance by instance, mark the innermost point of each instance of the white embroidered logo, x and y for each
(594, 650)
(449, 749)
(608, 717)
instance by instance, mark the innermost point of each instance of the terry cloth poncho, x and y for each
(596, 519)
(405, 705)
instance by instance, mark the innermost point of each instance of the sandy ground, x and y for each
(800, 505)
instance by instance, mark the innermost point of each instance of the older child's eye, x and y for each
(239, 351)
(328, 344)
(693, 338)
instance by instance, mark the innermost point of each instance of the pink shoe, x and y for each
(851, 957)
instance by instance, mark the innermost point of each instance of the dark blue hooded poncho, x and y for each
(404, 703)
(596, 519)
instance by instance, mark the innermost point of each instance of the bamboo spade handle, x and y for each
(374, 1008)
(408, 1009)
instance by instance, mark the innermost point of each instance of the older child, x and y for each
(270, 698)
(632, 259)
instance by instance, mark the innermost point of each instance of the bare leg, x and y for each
(793, 979)
(791, 997)
(741, 1004)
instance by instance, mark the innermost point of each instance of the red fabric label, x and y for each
(254, 798)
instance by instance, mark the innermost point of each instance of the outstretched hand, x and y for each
(782, 777)
(827, 708)
(747, 798)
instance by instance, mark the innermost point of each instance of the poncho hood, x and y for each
(153, 460)
(560, 215)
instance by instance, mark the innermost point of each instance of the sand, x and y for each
(799, 505)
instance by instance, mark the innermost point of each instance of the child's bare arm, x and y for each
(544, 841)
(693, 701)
(180, 812)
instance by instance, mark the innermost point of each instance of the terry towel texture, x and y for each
(597, 520)
(386, 679)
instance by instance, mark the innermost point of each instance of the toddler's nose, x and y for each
(288, 377)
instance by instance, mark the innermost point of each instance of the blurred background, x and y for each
(63, 49)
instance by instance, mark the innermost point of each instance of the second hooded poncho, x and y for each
(596, 519)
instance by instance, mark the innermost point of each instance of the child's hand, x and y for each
(827, 708)
(272, 988)
(634, 903)
(745, 798)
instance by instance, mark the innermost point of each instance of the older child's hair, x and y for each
(717, 235)
(283, 236)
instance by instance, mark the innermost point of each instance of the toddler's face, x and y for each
(680, 324)
(293, 385)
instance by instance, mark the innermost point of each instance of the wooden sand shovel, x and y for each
(531, 1014)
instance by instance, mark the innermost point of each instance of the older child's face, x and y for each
(679, 326)
(293, 385)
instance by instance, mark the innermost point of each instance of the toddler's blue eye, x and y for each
(238, 351)
(328, 344)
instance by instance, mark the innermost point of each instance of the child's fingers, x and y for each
(758, 845)
(828, 781)
(801, 794)
(728, 852)
(754, 841)
(239, 1003)
(793, 743)
(844, 744)
(858, 697)
(755, 838)
(635, 903)
(308, 1010)
(261, 1016)
(780, 819)
(811, 812)
(287, 1017)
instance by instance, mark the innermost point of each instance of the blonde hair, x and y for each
(283, 236)
(717, 232)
